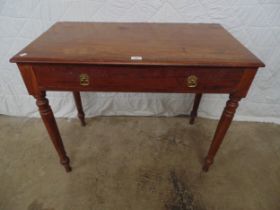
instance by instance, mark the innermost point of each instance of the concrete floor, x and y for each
(138, 163)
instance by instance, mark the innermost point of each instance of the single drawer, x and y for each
(137, 78)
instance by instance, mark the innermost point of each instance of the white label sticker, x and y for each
(136, 58)
(22, 54)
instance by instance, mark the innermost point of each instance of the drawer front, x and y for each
(137, 78)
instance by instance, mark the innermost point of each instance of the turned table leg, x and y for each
(221, 130)
(195, 107)
(50, 123)
(78, 102)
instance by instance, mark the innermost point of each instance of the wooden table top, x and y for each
(138, 43)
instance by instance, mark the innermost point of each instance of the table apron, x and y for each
(137, 78)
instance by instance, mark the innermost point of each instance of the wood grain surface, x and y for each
(156, 44)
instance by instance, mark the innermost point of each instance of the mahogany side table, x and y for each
(137, 57)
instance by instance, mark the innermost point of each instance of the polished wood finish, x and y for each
(137, 78)
(221, 130)
(195, 107)
(137, 57)
(78, 102)
(50, 123)
(157, 43)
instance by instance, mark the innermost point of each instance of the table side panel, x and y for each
(136, 78)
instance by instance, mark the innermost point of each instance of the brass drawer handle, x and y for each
(84, 79)
(192, 81)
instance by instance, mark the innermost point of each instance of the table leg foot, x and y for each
(207, 164)
(78, 102)
(66, 164)
(192, 120)
(82, 119)
(195, 107)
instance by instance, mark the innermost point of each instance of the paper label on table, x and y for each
(22, 54)
(136, 58)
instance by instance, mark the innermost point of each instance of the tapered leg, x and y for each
(50, 123)
(221, 130)
(195, 107)
(78, 102)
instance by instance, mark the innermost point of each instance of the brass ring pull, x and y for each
(192, 81)
(84, 79)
